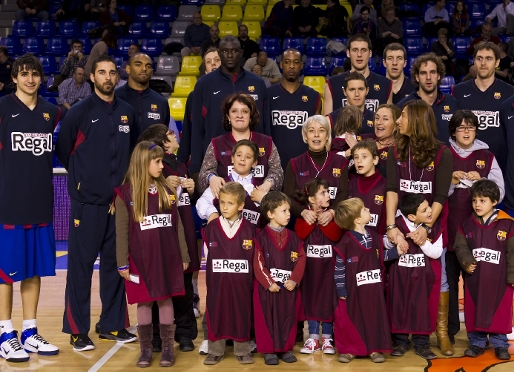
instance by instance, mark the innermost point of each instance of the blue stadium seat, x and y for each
(411, 27)
(61, 62)
(151, 46)
(372, 64)
(49, 65)
(57, 46)
(86, 44)
(343, 40)
(450, 8)
(414, 45)
(166, 13)
(22, 28)
(69, 29)
(335, 62)
(34, 45)
(45, 28)
(13, 45)
(52, 9)
(316, 46)
(271, 46)
(410, 62)
(293, 43)
(460, 45)
(446, 84)
(124, 45)
(430, 41)
(315, 66)
(88, 25)
(191, 2)
(119, 60)
(477, 11)
(137, 29)
(411, 9)
(160, 29)
(144, 13)
(127, 9)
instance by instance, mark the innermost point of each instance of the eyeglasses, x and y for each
(230, 51)
(466, 129)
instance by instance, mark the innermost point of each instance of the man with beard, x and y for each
(149, 106)
(395, 60)
(428, 72)
(291, 103)
(359, 51)
(484, 96)
(94, 145)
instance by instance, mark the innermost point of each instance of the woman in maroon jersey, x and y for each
(385, 129)
(240, 119)
(420, 164)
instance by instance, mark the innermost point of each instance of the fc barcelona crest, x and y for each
(376, 87)
(172, 198)
(76, 222)
(247, 244)
(497, 95)
(359, 138)
(46, 116)
(305, 98)
(383, 155)
(336, 172)
(153, 107)
(251, 89)
(370, 123)
(430, 166)
(379, 199)
(446, 108)
(124, 119)
(294, 256)
(480, 164)
(502, 235)
(262, 151)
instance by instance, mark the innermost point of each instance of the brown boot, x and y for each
(145, 333)
(168, 350)
(443, 341)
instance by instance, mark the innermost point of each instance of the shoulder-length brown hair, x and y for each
(422, 139)
(244, 99)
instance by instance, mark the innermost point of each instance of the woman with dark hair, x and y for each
(337, 20)
(460, 19)
(115, 20)
(420, 164)
(240, 119)
(385, 129)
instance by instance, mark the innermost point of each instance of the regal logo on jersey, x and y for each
(154, 115)
(280, 276)
(124, 119)
(368, 277)
(46, 116)
(124, 128)
(336, 172)
(370, 104)
(501, 235)
(480, 164)
(379, 199)
(37, 143)
(230, 266)
(487, 119)
(487, 255)
(155, 221)
(305, 98)
(430, 167)
(247, 244)
(291, 119)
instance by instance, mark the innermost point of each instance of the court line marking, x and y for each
(110, 353)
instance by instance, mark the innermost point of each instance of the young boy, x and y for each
(279, 263)
(415, 279)
(484, 246)
(361, 324)
(245, 155)
(369, 185)
(229, 277)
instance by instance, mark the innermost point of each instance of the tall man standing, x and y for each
(395, 60)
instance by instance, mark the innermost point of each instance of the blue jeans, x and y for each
(326, 328)
(480, 339)
(444, 282)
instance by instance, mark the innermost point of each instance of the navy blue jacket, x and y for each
(94, 145)
(184, 151)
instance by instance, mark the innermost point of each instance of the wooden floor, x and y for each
(109, 356)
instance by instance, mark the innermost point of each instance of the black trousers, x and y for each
(453, 271)
(419, 341)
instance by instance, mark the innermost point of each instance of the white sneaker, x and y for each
(327, 346)
(10, 348)
(510, 336)
(204, 348)
(197, 312)
(310, 346)
(34, 343)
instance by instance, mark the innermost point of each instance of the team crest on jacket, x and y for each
(305, 98)
(46, 116)
(497, 95)
(480, 164)
(124, 119)
(172, 198)
(76, 222)
(379, 199)
(153, 107)
(370, 123)
(430, 166)
(336, 172)
(376, 87)
(294, 256)
(383, 155)
(251, 89)
(446, 108)
(262, 151)
(247, 244)
(502, 235)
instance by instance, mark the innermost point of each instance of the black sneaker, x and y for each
(473, 351)
(425, 353)
(122, 336)
(288, 357)
(81, 342)
(97, 328)
(502, 353)
(186, 344)
(400, 350)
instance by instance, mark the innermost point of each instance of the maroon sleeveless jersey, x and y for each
(319, 297)
(154, 251)
(276, 313)
(373, 198)
(459, 202)
(305, 170)
(487, 296)
(223, 152)
(413, 287)
(229, 281)
(361, 326)
(414, 180)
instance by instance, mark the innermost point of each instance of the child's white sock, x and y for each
(326, 337)
(28, 324)
(6, 326)
(315, 337)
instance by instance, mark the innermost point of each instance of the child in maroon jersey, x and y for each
(369, 185)
(318, 290)
(484, 246)
(279, 263)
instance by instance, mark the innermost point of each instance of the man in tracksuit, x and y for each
(212, 89)
(149, 106)
(94, 145)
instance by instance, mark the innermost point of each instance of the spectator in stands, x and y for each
(213, 41)
(75, 58)
(357, 11)
(436, 17)
(460, 19)
(32, 8)
(336, 20)
(486, 35)
(5, 71)
(443, 48)
(305, 19)
(365, 26)
(133, 49)
(107, 41)
(73, 89)
(194, 37)
(250, 47)
(505, 14)
(390, 30)
(115, 20)
(94, 8)
(72, 9)
(502, 72)
(280, 22)
(257, 70)
(269, 67)
(382, 11)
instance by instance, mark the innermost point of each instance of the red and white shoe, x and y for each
(310, 346)
(327, 346)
